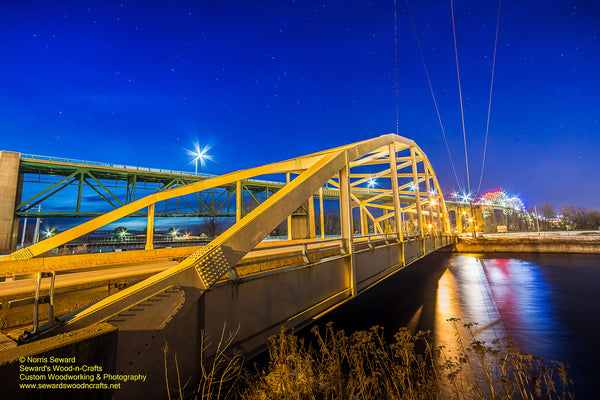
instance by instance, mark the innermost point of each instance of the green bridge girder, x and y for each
(120, 185)
(117, 185)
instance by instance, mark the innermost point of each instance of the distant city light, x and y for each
(501, 198)
(49, 232)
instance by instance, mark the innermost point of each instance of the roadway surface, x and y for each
(13, 287)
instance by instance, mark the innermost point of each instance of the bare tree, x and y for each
(548, 213)
(580, 217)
(211, 225)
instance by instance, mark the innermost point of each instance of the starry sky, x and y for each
(138, 83)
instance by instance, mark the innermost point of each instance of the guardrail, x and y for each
(306, 253)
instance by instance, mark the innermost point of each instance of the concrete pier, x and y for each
(10, 193)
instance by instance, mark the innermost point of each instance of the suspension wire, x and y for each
(396, 51)
(462, 112)
(487, 124)
(432, 93)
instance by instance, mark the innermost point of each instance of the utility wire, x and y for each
(396, 51)
(432, 93)
(462, 113)
(487, 124)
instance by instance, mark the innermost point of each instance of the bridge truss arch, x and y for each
(386, 183)
(360, 174)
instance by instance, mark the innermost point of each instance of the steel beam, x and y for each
(395, 195)
(150, 228)
(416, 192)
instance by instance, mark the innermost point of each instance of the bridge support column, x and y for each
(312, 234)
(289, 219)
(431, 226)
(459, 220)
(150, 228)
(396, 198)
(321, 213)
(395, 195)
(11, 184)
(428, 188)
(346, 225)
(417, 196)
(364, 226)
(478, 219)
(238, 200)
(303, 226)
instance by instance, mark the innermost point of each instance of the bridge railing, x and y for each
(262, 261)
(111, 165)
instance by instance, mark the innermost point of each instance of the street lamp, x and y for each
(201, 155)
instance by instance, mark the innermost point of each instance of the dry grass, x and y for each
(363, 366)
(219, 372)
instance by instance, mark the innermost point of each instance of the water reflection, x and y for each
(506, 297)
(545, 303)
(534, 300)
(464, 292)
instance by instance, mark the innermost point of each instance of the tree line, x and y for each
(569, 217)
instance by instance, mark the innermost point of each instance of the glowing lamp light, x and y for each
(200, 155)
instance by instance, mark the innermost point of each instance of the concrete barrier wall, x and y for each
(371, 263)
(412, 250)
(259, 305)
(292, 296)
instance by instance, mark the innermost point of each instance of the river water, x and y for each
(548, 304)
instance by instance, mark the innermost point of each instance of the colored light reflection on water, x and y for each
(504, 296)
(548, 304)
(545, 303)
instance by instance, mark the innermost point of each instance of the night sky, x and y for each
(139, 82)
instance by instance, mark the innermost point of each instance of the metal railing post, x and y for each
(346, 225)
(51, 300)
(36, 302)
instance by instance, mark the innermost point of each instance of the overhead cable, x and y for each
(487, 124)
(432, 93)
(462, 113)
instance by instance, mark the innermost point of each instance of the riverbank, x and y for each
(547, 242)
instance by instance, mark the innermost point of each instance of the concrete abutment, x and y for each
(11, 185)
